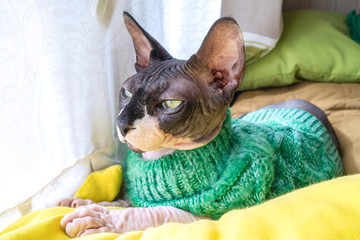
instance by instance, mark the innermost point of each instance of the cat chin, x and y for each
(134, 149)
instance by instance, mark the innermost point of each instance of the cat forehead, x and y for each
(167, 86)
(161, 75)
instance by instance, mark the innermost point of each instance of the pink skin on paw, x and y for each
(88, 220)
(95, 219)
(74, 202)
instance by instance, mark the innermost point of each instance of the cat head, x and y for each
(179, 104)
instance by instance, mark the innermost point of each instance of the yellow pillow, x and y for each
(328, 210)
(103, 185)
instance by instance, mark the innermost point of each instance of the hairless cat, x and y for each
(189, 159)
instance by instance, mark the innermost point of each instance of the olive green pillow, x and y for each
(315, 45)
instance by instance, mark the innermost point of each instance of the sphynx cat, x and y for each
(170, 105)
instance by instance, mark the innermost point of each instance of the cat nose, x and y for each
(123, 126)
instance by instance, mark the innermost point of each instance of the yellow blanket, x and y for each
(329, 210)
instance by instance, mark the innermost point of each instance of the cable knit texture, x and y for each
(258, 157)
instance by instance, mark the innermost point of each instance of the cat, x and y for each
(189, 159)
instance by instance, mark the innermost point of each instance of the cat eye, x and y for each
(171, 104)
(126, 93)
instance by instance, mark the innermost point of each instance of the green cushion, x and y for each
(315, 45)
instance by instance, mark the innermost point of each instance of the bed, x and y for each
(316, 59)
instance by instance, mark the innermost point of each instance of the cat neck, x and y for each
(155, 154)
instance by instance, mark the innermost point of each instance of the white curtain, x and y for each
(61, 67)
(180, 26)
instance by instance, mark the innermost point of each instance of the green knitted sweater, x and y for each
(258, 157)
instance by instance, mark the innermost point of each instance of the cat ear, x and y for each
(146, 47)
(222, 56)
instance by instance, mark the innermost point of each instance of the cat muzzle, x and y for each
(123, 140)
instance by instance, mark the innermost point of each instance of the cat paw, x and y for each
(92, 219)
(74, 202)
